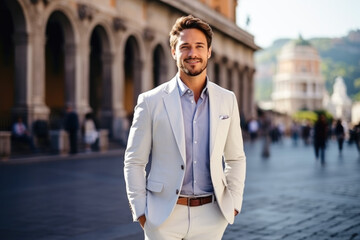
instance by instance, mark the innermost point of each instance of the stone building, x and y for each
(298, 83)
(99, 55)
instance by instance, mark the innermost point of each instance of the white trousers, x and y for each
(190, 223)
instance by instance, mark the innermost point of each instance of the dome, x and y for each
(298, 48)
(299, 42)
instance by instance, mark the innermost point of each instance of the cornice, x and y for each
(216, 20)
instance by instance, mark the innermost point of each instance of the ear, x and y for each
(173, 53)
(209, 52)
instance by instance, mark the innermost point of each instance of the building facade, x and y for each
(298, 83)
(98, 56)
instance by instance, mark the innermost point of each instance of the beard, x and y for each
(192, 71)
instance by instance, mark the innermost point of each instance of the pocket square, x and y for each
(223, 117)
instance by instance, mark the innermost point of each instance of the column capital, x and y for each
(148, 34)
(119, 24)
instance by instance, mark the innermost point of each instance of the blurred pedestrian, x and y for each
(253, 126)
(90, 132)
(320, 137)
(357, 136)
(21, 133)
(265, 124)
(305, 133)
(295, 132)
(275, 134)
(339, 134)
(71, 125)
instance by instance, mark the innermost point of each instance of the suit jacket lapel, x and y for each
(214, 100)
(173, 107)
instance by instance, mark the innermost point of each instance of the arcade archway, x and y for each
(6, 67)
(159, 67)
(133, 69)
(59, 66)
(13, 63)
(100, 84)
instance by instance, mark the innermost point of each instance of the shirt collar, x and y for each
(183, 88)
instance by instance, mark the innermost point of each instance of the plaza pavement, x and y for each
(289, 195)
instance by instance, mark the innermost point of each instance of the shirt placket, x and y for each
(195, 144)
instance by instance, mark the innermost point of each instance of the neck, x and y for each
(195, 83)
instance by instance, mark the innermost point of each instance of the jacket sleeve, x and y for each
(235, 160)
(136, 158)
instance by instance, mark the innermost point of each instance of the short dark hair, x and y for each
(188, 22)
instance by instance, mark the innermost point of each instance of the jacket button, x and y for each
(177, 191)
(182, 167)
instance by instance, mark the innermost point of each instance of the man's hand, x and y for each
(142, 220)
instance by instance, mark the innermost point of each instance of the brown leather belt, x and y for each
(195, 201)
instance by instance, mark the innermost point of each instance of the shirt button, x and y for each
(177, 191)
(195, 142)
(195, 162)
(182, 167)
(192, 101)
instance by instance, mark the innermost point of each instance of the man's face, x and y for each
(191, 52)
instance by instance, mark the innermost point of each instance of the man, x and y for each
(21, 134)
(320, 137)
(72, 127)
(188, 126)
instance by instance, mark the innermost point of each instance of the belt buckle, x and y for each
(189, 200)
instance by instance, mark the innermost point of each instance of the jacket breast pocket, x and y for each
(154, 186)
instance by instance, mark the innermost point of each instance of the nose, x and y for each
(192, 52)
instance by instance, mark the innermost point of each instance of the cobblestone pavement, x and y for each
(293, 196)
(287, 196)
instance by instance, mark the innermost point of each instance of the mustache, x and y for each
(190, 58)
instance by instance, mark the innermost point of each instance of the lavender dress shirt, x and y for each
(197, 180)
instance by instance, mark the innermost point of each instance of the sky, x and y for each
(274, 19)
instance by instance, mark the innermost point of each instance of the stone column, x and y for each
(229, 75)
(83, 106)
(210, 70)
(245, 93)
(236, 83)
(240, 88)
(223, 73)
(163, 71)
(38, 109)
(121, 124)
(138, 71)
(251, 96)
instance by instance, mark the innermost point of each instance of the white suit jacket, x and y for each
(157, 133)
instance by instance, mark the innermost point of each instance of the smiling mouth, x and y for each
(193, 61)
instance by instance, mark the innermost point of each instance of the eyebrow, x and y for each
(197, 43)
